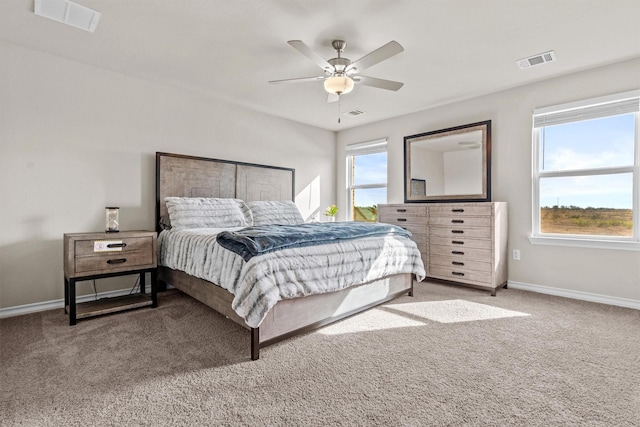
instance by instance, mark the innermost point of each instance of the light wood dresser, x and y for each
(90, 256)
(464, 243)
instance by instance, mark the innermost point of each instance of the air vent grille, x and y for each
(68, 12)
(355, 112)
(539, 59)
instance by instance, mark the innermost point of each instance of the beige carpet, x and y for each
(448, 356)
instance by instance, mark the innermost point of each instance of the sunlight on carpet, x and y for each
(453, 311)
(371, 320)
(409, 315)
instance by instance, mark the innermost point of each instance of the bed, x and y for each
(181, 178)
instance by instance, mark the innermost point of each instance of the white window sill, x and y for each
(585, 243)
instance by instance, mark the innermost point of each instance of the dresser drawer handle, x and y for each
(457, 210)
(457, 242)
(116, 261)
(456, 273)
(457, 252)
(117, 245)
(401, 210)
(401, 219)
(457, 263)
(457, 221)
(457, 231)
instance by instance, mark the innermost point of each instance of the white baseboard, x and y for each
(584, 296)
(51, 305)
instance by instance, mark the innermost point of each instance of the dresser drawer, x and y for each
(462, 253)
(470, 221)
(455, 210)
(460, 275)
(469, 232)
(461, 264)
(402, 211)
(460, 242)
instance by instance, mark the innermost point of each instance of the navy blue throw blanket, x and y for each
(251, 241)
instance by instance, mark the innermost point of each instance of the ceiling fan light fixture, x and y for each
(339, 85)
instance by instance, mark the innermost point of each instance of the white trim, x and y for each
(587, 242)
(56, 304)
(579, 295)
(607, 99)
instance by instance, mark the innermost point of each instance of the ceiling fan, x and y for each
(341, 74)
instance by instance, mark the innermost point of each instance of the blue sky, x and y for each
(600, 143)
(371, 169)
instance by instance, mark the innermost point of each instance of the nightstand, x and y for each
(90, 256)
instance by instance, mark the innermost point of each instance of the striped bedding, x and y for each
(258, 284)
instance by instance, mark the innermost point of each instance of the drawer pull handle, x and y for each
(456, 273)
(401, 210)
(117, 245)
(457, 221)
(457, 263)
(116, 261)
(457, 242)
(457, 252)
(457, 231)
(457, 210)
(402, 219)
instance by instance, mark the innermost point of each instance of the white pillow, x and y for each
(273, 212)
(204, 212)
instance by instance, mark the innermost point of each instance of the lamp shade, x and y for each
(339, 85)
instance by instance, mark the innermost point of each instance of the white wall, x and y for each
(612, 273)
(75, 138)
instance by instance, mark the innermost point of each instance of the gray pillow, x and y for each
(204, 212)
(275, 212)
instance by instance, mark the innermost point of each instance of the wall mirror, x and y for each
(449, 165)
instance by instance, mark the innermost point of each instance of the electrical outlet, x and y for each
(516, 254)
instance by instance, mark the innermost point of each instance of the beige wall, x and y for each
(75, 138)
(611, 273)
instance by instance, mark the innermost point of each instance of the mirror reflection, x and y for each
(449, 164)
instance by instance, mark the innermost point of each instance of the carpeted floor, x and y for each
(449, 356)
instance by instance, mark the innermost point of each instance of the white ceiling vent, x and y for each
(69, 13)
(355, 112)
(539, 59)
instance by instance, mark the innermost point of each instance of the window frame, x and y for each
(370, 147)
(574, 109)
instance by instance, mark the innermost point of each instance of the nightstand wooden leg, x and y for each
(72, 302)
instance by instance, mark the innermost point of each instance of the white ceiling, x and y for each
(230, 49)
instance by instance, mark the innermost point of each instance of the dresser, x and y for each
(463, 243)
(91, 256)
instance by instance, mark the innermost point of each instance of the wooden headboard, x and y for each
(178, 175)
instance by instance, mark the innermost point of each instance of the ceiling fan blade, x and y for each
(299, 79)
(378, 55)
(332, 97)
(301, 47)
(379, 83)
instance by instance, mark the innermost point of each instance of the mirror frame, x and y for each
(484, 196)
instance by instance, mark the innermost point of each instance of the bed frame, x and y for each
(188, 176)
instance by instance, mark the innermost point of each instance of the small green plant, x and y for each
(331, 211)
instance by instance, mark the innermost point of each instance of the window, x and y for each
(367, 179)
(586, 173)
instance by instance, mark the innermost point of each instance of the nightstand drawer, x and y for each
(114, 261)
(132, 244)
(90, 254)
